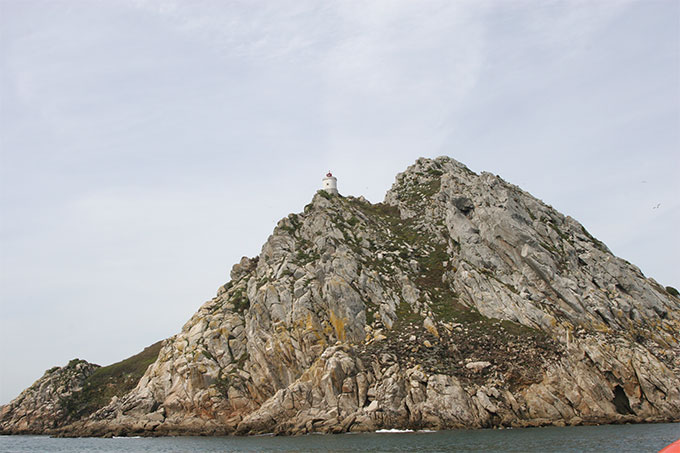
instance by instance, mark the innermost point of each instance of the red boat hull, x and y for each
(672, 448)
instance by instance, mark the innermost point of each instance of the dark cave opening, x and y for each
(621, 401)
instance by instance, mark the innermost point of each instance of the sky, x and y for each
(147, 145)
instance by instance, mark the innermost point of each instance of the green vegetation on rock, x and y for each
(459, 301)
(109, 381)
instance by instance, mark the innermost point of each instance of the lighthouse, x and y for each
(330, 184)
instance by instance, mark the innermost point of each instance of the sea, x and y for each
(601, 439)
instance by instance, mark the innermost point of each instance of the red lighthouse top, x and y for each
(329, 174)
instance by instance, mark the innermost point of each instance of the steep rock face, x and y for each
(45, 405)
(461, 301)
(549, 267)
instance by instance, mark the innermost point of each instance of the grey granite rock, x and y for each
(461, 301)
(45, 406)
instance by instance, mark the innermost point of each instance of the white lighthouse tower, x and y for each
(330, 184)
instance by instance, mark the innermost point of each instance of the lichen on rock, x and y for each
(48, 403)
(460, 301)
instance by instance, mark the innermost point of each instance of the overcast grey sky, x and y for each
(147, 145)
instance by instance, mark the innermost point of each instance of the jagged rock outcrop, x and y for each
(461, 301)
(65, 395)
(45, 404)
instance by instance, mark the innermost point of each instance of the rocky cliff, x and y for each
(73, 392)
(460, 301)
(45, 404)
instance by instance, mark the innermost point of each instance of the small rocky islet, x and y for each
(460, 301)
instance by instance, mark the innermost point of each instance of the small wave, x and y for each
(382, 431)
(126, 437)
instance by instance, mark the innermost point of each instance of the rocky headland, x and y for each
(41, 408)
(70, 393)
(460, 301)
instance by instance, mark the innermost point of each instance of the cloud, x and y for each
(147, 145)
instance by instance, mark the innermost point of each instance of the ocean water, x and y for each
(601, 439)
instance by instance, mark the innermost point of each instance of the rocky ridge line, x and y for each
(460, 301)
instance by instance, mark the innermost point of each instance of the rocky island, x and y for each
(460, 301)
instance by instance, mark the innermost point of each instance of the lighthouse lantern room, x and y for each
(330, 184)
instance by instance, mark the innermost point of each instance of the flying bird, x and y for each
(657, 206)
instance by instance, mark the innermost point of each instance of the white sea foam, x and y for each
(394, 431)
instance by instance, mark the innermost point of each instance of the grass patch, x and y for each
(109, 381)
(413, 194)
(324, 194)
(447, 308)
(406, 315)
(291, 224)
(432, 268)
(240, 300)
(520, 330)
(305, 252)
(381, 210)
